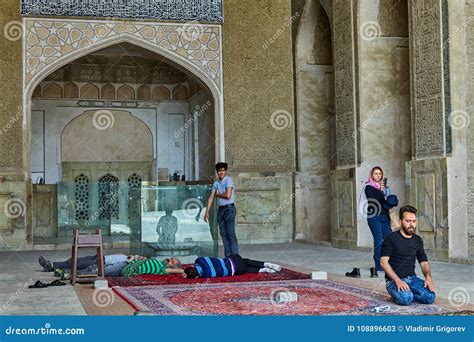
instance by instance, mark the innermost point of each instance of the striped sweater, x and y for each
(209, 267)
(146, 266)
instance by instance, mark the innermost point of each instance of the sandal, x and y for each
(38, 285)
(57, 282)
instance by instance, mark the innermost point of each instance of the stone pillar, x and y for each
(15, 193)
(259, 120)
(343, 195)
(469, 116)
(438, 180)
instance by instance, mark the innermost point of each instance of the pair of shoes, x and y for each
(373, 273)
(272, 266)
(354, 274)
(266, 270)
(40, 285)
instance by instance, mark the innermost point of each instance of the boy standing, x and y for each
(223, 190)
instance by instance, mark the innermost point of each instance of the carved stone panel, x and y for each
(427, 76)
(344, 78)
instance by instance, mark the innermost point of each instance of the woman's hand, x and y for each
(382, 186)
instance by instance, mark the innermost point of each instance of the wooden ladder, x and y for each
(87, 241)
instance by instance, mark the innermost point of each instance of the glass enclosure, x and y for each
(153, 219)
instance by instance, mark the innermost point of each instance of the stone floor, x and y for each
(454, 282)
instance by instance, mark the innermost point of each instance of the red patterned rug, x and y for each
(147, 280)
(257, 298)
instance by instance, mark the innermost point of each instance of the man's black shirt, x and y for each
(402, 252)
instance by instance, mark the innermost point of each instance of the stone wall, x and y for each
(15, 194)
(258, 91)
(470, 115)
(315, 105)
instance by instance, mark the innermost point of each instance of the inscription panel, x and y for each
(344, 79)
(427, 75)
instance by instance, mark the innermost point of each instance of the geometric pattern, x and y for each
(81, 197)
(134, 195)
(204, 10)
(108, 197)
(47, 40)
(257, 298)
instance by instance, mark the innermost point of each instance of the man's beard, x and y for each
(409, 230)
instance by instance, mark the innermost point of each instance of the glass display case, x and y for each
(153, 219)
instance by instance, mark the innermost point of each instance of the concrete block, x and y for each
(319, 275)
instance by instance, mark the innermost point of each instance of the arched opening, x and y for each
(112, 112)
(316, 128)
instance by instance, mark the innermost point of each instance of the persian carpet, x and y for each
(149, 279)
(321, 297)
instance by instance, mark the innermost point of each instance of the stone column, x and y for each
(438, 181)
(343, 201)
(15, 193)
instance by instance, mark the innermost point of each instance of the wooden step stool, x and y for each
(87, 241)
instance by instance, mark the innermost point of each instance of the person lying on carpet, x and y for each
(113, 265)
(152, 266)
(208, 267)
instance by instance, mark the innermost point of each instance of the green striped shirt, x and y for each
(146, 266)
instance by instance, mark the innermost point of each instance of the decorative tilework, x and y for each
(205, 10)
(48, 40)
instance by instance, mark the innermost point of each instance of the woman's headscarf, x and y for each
(363, 202)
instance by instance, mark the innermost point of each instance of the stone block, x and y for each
(319, 275)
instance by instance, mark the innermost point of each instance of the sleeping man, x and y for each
(208, 267)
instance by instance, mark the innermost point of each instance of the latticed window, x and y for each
(134, 194)
(81, 197)
(109, 195)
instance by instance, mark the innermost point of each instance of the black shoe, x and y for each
(373, 273)
(42, 261)
(354, 274)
